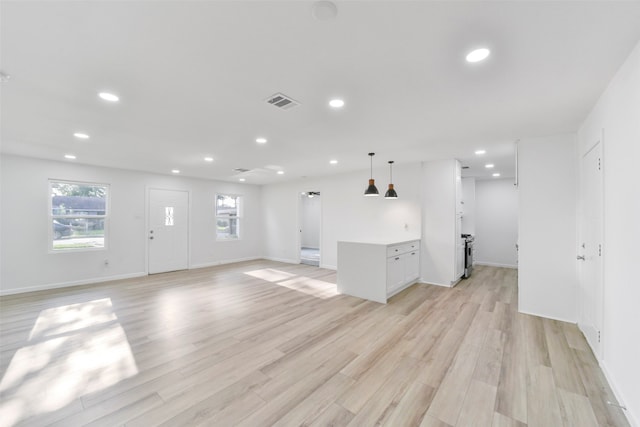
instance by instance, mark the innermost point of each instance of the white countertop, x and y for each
(385, 242)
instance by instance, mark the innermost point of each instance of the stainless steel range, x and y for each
(468, 255)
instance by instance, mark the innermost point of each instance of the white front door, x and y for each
(591, 291)
(168, 234)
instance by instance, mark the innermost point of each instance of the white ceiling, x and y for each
(193, 77)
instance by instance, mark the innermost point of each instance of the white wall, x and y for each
(618, 113)
(438, 249)
(346, 214)
(28, 265)
(547, 197)
(468, 206)
(496, 223)
(310, 221)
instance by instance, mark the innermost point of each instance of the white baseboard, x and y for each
(223, 262)
(427, 282)
(295, 261)
(58, 285)
(495, 264)
(548, 317)
(101, 279)
(633, 420)
(285, 260)
(402, 288)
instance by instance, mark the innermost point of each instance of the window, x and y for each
(78, 215)
(228, 215)
(168, 216)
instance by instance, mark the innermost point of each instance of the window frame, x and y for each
(51, 217)
(240, 209)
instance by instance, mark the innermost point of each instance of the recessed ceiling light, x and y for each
(496, 174)
(481, 152)
(336, 103)
(280, 172)
(175, 171)
(333, 162)
(478, 55)
(242, 180)
(81, 135)
(109, 97)
(489, 165)
(69, 156)
(324, 10)
(261, 140)
(208, 159)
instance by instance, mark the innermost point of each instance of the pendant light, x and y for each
(391, 193)
(371, 189)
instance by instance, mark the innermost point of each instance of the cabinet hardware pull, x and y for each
(397, 258)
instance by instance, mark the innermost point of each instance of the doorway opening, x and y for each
(310, 219)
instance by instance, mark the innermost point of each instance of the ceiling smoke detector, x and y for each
(282, 101)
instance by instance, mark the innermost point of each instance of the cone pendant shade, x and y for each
(391, 193)
(371, 189)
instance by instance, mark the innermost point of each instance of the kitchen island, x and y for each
(377, 270)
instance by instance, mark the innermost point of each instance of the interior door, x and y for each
(590, 251)
(168, 235)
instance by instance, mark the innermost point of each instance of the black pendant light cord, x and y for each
(371, 167)
(371, 189)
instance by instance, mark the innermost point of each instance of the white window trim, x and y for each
(239, 217)
(51, 216)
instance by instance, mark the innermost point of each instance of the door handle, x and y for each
(580, 257)
(151, 238)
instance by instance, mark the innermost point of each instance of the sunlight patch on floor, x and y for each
(59, 320)
(306, 285)
(73, 350)
(270, 274)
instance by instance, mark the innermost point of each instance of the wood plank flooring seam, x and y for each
(222, 346)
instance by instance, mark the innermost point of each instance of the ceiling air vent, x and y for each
(241, 170)
(282, 101)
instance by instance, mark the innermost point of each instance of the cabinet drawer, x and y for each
(395, 250)
(412, 246)
(403, 248)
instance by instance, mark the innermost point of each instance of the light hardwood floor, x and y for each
(263, 343)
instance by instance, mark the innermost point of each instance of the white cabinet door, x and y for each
(460, 260)
(411, 266)
(458, 188)
(459, 256)
(395, 272)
